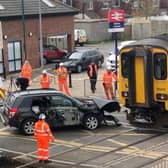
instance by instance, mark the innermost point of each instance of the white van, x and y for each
(80, 37)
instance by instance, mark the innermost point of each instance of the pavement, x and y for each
(79, 86)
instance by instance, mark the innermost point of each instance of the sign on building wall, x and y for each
(1, 36)
(116, 20)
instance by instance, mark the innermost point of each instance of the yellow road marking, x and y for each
(117, 142)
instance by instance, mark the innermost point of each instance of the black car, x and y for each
(60, 109)
(79, 60)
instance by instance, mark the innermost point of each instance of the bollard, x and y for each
(70, 79)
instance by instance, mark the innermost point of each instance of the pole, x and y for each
(24, 34)
(116, 61)
(41, 37)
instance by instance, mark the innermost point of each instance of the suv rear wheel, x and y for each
(27, 126)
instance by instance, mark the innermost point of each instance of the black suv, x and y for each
(79, 60)
(60, 109)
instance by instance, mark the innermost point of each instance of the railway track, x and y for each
(84, 162)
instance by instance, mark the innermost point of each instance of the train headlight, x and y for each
(162, 96)
(124, 94)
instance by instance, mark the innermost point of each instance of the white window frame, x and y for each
(155, 3)
(90, 5)
(105, 5)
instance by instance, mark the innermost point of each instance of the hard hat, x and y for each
(44, 71)
(61, 64)
(108, 68)
(42, 116)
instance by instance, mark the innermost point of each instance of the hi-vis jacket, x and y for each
(45, 81)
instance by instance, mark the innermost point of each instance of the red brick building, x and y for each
(20, 30)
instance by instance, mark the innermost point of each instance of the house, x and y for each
(23, 22)
(99, 8)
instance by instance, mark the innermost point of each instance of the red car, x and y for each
(52, 53)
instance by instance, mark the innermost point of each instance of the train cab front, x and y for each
(143, 81)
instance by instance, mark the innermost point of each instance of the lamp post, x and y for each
(23, 29)
(41, 36)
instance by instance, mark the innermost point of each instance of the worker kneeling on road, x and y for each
(45, 80)
(22, 83)
(62, 74)
(108, 77)
(43, 135)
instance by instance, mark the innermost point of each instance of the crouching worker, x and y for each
(43, 136)
(22, 83)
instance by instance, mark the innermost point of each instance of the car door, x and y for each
(64, 111)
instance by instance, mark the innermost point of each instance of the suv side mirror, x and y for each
(36, 109)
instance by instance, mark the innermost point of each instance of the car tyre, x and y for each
(27, 126)
(79, 68)
(91, 122)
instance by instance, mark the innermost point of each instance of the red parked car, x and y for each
(52, 53)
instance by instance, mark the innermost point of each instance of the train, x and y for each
(143, 81)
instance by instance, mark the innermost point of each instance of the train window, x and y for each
(125, 65)
(160, 66)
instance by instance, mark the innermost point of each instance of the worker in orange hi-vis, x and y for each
(108, 77)
(26, 70)
(62, 76)
(45, 80)
(44, 136)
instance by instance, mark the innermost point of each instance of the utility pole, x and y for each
(24, 31)
(40, 35)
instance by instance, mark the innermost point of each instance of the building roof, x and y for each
(13, 8)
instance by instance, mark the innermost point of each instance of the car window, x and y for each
(85, 55)
(75, 55)
(60, 101)
(26, 102)
(41, 101)
(9, 100)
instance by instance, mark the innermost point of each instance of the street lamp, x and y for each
(23, 29)
(40, 34)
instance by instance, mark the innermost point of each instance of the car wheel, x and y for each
(91, 122)
(27, 126)
(99, 63)
(79, 68)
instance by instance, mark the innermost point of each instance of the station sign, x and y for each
(116, 20)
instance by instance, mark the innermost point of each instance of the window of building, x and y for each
(160, 66)
(2, 7)
(116, 3)
(1, 62)
(155, 3)
(14, 56)
(105, 5)
(90, 5)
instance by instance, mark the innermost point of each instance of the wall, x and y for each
(97, 30)
(138, 28)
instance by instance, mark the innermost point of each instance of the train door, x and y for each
(138, 63)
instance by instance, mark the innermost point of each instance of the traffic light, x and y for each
(116, 3)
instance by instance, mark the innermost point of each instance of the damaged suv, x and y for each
(60, 109)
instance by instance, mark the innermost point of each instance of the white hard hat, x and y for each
(42, 116)
(109, 68)
(61, 64)
(44, 71)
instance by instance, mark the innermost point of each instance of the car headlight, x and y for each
(162, 96)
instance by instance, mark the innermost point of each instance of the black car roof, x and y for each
(34, 91)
